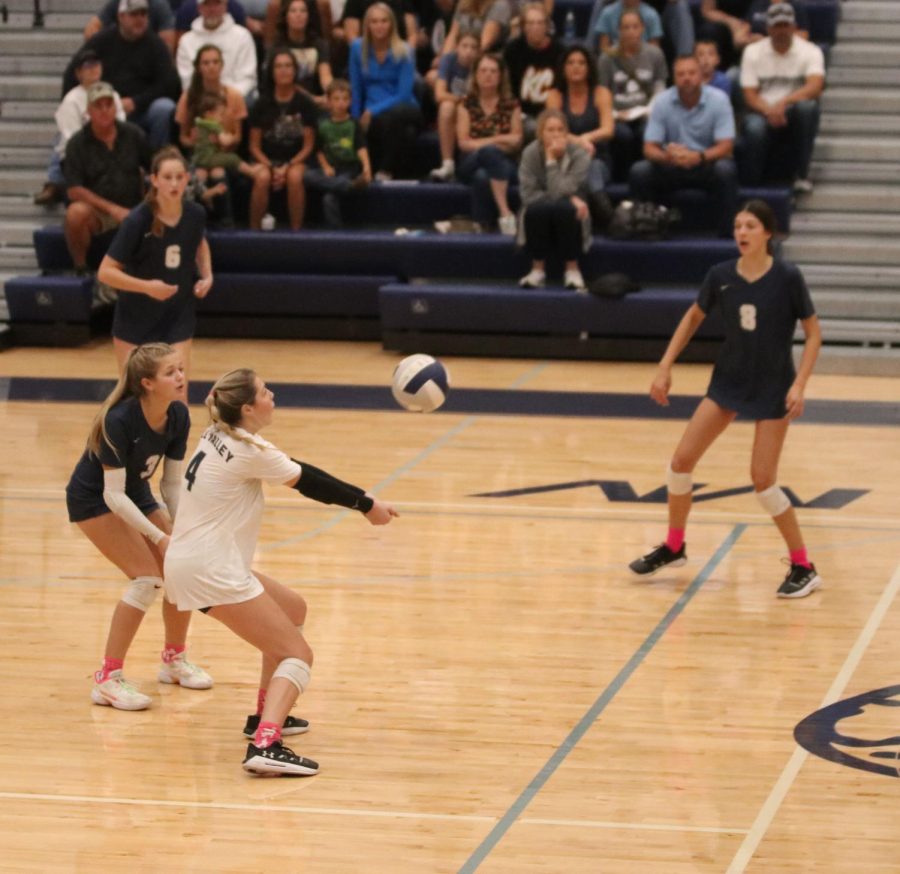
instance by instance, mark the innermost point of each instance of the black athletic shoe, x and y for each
(661, 557)
(292, 725)
(279, 760)
(800, 582)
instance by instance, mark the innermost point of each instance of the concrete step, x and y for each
(28, 110)
(850, 303)
(876, 332)
(866, 54)
(836, 123)
(840, 75)
(21, 181)
(874, 277)
(873, 223)
(864, 149)
(27, 133)
(69, 19)
(32, 87)
(842, 249)
(36, 42)
(20, 232)
(848, 172)
(18, 259)
(867, 10)
(875, 31)
(855, 99)
(31, 157)
(34, 65)
(851, 196)
(21, 206)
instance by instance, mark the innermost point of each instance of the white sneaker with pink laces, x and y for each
(116, 691)
(184, 673)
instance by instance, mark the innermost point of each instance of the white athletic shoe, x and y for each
(533, 279)
(116, 691)
(184, 673)
(507, 225)
(573, 279)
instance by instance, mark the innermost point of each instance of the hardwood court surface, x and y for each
(491, 690)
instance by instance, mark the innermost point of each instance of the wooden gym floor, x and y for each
(491, 690)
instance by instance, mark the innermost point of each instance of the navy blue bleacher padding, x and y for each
(52, 254)
(280, 294)
(50, 299)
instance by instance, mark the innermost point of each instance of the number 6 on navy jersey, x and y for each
(190, 472)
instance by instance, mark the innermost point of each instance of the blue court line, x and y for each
(589, 718)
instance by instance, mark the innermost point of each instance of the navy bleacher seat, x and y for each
(53, 310)
(490, 319)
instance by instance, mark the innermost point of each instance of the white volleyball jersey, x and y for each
(219, 514)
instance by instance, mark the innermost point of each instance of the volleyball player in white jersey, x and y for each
(208, 560)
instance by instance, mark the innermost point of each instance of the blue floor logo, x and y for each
(852, 732)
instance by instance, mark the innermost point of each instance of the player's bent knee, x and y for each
(679, 483)
(142, 592)
(774, 501)
(295, 671)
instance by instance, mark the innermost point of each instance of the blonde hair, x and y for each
(226, 400)
(143, 363)
(548, 115)
(169, 153)
(398, 48)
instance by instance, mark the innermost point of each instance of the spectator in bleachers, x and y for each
(450, 90)
(707, 54)
(606, 30)
(759, 9)
(216, 27)
(189, 10)
(487, 19)
(162, 20)
(555, 216)
(138, 65)
(104, 166)
(296, 32)
(669, 18)
(71, 116)
(282, 137)
(725, 21)
(381, 76)
(355, 12)
(435, 17)
(588, 109)
(782, 78)
(207, 79)
(532, 60)
(688, 143)
(320, 19)
(635, 72)
(489, 136)
(341, 154)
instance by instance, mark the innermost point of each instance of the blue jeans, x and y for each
(478, 169)
(801, 130)
(332, 187)
(156, 120)
(655, 182)
(54, 166)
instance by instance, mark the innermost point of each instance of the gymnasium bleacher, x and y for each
(419, 290)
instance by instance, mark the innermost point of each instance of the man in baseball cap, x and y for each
(782, 77)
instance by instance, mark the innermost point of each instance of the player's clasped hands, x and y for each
(161, 290)
(381, 513)
(659, 388)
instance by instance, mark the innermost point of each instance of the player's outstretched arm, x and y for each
(321, 486)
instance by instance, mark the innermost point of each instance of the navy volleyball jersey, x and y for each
(172, 258)
(138, 448)
(755, 368)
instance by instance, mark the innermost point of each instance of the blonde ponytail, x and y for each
(143, 363)
(225, 402)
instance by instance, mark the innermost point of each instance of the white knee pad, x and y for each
(774, 500)
(295, 670)
(142, 592)
(679, 483)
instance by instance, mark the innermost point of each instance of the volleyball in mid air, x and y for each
(420, 383)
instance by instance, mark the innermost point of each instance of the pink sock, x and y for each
(260, 701)
(267, 734)
(109, 665)
(675, 539)
(171, 652)
(799, 556)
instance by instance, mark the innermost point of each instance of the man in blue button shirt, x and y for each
(688, 143)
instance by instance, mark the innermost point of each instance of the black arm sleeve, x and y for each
(323, 487)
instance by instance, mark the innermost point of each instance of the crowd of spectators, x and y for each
(272, 96)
